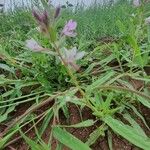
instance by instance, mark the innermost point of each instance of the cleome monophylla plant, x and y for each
(103, 80)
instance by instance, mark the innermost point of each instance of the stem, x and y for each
(69, 71)
(74, 79)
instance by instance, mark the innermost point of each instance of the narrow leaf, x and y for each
(100, 81)
(134, 124)
(95, 135)
(86, 123)
(128, 133)
(69, 140)
(143, 101)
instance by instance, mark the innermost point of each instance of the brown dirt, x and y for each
(81, 133)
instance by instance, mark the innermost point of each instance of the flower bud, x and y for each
(41, 18)
(45, 18)
(37, 16)
(57, 12)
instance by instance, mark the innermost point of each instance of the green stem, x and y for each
(74, 79)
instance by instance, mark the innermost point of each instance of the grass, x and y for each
(112, 82)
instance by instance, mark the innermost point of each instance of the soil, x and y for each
(81, 133)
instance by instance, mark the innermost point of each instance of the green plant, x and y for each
(53, 75)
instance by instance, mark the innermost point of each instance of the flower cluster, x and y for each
(68, 56)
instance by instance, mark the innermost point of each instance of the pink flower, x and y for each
(136, 3)
(69, 29)
(71, 56)
(33, 45)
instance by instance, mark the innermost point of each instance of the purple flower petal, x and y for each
(71, 25)
(80, 55)
(71, 56)
(69, 29)
(33, 45)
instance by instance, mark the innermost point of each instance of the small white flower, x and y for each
(136, 3)
(147, 20)
(33, 45)
(133, 15)
(71, 56)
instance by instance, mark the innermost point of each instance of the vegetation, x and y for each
(47, 70)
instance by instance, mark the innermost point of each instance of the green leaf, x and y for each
(107, 103)
(6, 67)
(128, 133)
(69, 140)
(100, 81)
(143, 101)
(59, 146)
(134, 124)
(4, 53)
(139, 115)
(137, 58)
(4, 140)
(96, 134)
(33, 144)
(5, 115)
(46, 121)
(86, 123)
(121, 26)
(110, 141)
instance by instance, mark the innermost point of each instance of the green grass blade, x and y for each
(5, 139)
(6, 67)
(110, 141)
(46, 121)
(69, 140)
(96, 134)
(33, 145)
(100, 81)
(134, 124)
(143, 101)
(128, 133)
(86, 123)
(139, 115)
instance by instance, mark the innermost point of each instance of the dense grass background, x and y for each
(94, 22)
